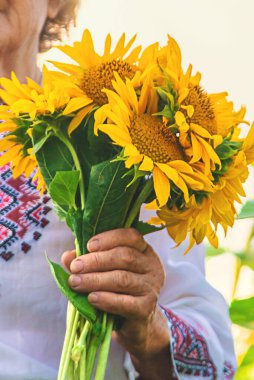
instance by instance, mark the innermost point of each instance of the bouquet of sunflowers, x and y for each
(110, 133)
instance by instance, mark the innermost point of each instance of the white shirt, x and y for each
(32, 309)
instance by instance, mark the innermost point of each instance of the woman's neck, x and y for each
(22, 61)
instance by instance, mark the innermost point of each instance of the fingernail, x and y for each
(77, 265)
(93, 298)
(93, 245)
(74, 280)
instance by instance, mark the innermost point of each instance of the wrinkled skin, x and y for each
(124, 276)
(21, 23)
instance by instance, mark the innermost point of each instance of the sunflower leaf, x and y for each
(107, 207)
(146, 228)
(39, 136)
(53, 158)
(78, 300)
(63, 188)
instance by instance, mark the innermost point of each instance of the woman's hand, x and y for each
(124, 276)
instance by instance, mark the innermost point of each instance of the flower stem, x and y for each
(144, 194)
(68, 346)
(91, 354)
(70, 320)
(75, 158)
(103, 356)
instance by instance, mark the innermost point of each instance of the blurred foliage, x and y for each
(246, 369)
(247, 210)
(242, 310)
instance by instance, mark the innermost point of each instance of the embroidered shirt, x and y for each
(32, 310)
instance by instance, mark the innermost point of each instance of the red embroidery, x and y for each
(228, 371)
(22, 213)
(190, 351)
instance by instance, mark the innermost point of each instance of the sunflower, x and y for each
(201, 219)
(24, 102)
(147, 141)
(203, 119)
(32, 99)
(94, 72)
(22, 162)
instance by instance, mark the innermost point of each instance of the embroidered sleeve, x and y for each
(22, 214)
(190, 355)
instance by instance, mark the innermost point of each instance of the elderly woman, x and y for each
(174, 324)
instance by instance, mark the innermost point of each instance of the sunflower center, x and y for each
(203, 110)
(153, 138)
(98, 77)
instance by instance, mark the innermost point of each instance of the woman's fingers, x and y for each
(119, 237)
(67, 258)
(124, 258)
(126, 306)
(117, 281)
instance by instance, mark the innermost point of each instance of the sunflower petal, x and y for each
(147, 164)
(161, 186)
(76, 103)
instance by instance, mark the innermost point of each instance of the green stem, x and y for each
(71, 312)
(103, 356)
(144, 194)
(77, 165)
(91, 355)
(68, 348)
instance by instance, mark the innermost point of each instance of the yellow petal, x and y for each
(133, 160)
(161, 186)
(107, 47)
(212, 154)
(189, 109)
(100, 117)
(147, 164)
(170, 172)
(200, 130)
(152, 206)
(181, 166)
(76, 103)
(78, 119)
(119, 136)
(197, 149)
(9, 155)
(183, 93)
(182, 186)
(131, 150)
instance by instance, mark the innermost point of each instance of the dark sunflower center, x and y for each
(98, 77)
(204, 113)
(153, 138)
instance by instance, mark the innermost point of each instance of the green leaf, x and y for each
(247, 211)
(74, 219)
(39, 136)
(53, 158)
(108, 199)
(92, 149)
(146, 228)
(78, 300)
(63, 188)
(242, 312)
(246, 370)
